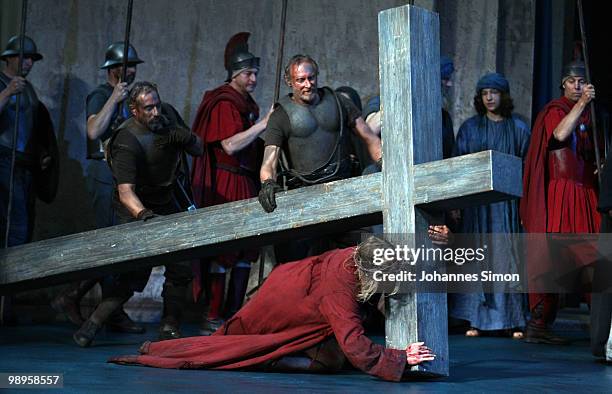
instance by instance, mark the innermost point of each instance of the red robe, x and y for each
(559, 197)
(300, 305)
(559, 200)
(223, 113)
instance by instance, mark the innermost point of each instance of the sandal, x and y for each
(514, 333)
(472, 332)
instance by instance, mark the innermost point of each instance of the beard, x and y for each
(157, 123)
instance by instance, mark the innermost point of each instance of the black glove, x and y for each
(267, 193)
(373, 168)
(177, 136)
(379, 165)
(146, 214)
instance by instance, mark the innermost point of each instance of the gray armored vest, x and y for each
(157, 166)
(314, 143)
(27, 109)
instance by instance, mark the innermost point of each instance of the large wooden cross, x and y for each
(411, 183)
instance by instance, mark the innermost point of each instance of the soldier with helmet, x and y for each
(105, 110)
(559, 185)
(226, 122)
(36, 167)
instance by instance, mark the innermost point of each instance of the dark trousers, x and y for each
(100, 188)
(178, 276)
(22, 209)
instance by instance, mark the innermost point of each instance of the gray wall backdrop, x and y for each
(182, 43)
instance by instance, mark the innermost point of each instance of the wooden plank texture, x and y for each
(409, 67)
(331, 207)
(322, 208)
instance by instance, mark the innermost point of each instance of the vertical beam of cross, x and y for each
(411, 132)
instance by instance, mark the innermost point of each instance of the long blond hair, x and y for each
(364, 262)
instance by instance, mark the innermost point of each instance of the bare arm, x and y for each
(241, 140)
(129, 199)
(98, 123)
(270, 161)
(371, 140)
(565, 128)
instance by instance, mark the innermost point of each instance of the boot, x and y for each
(68, 301)
(543, 313)
(169, 329)
(208, 325)
(85, 335)
(7, 315)
(216, 290)
(119, 321)
(543, 335)
(237, 288)
(174, 303)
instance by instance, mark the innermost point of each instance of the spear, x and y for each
(22, 29)
(279, 68)
(588, 77)
(281, 47)
(4, 301)
(126, 42)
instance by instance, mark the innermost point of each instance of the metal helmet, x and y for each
(237, 55)
(573, 69)
(29, 48)
(114, 55)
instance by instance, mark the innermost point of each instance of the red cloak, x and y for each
(557, 203)
(217, 177)
(300, 305)
(223, 113)
(557, 198)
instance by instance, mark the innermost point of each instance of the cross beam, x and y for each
(411, 183)
(350, 203)
(409, 66)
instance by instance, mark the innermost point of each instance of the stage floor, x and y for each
(477, 365)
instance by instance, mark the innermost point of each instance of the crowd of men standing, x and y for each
(138, 146)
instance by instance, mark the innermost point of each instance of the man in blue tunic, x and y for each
(493, 128)
(35, 171)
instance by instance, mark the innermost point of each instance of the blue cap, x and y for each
(493, 81)
(446, 67)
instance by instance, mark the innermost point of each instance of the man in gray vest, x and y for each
(311, 126)
(145, 153)
(105, 109)
(35, 171)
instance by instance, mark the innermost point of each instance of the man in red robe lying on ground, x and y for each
(304, 318)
